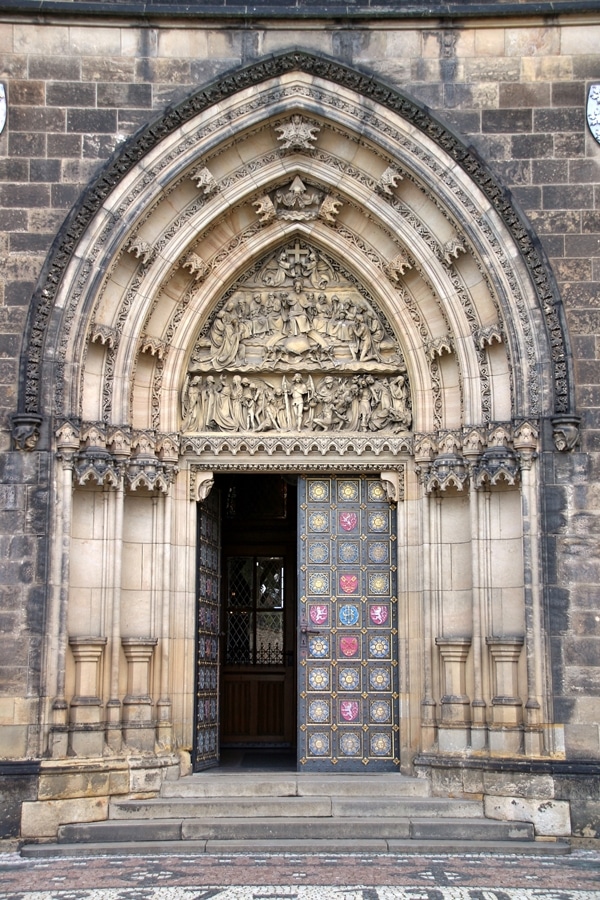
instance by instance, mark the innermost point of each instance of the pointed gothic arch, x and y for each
(183, 219)
(407, 154)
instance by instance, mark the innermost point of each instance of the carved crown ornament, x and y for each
(297, 203)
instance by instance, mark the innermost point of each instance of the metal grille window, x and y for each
(255, 592)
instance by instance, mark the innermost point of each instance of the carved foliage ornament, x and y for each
(196, 265)
(141, 249)
(297, 134)
(204, 180)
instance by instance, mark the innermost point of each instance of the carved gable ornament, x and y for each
(298, 346)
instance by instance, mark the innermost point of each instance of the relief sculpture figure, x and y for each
(305, 316)
(298, 347)
(302, 403)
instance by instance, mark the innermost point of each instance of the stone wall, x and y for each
(513, 88)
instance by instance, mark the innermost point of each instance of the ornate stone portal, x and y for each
(251, 320)
(296, 346)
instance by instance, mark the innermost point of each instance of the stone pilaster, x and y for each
(454, 729)
(87, 731)
(138, 727)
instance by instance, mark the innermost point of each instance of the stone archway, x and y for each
(295, 155)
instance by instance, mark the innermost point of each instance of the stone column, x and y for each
(425, 450)
(116, 501)
(507, 706)
(428, 705)
(164, 728)
(454, 728)
(525, 443)
(86, 719)
(478, 705)
(56, 652)
(138, 727)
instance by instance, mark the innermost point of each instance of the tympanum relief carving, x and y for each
(297, 346)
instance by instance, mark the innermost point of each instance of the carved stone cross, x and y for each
(297, 255)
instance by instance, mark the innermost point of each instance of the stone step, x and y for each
(276, 807)
(219, 807)
(311, 846)
(217, 785)
(406, 806)
(350, 829)
(245, 829)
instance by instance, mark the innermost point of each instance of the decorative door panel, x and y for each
(206, 749)
(348, 672)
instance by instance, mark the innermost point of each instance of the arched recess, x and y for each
(296, 155)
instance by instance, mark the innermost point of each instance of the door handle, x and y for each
(304, 629)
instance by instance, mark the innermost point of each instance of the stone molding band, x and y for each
(267, 8)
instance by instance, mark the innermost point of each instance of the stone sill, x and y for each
(17, 767)
(544, 766)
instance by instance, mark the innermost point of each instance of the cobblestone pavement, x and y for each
(288, 876)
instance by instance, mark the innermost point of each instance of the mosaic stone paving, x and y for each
(350, 876)
(308, 893)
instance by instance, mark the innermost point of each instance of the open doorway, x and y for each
(255, 566)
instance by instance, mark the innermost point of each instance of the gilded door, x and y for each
(348, 668)
(206, 744)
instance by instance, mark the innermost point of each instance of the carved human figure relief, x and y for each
(297, 346)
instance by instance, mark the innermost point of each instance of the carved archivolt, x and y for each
(332, 366)
(333, 363)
